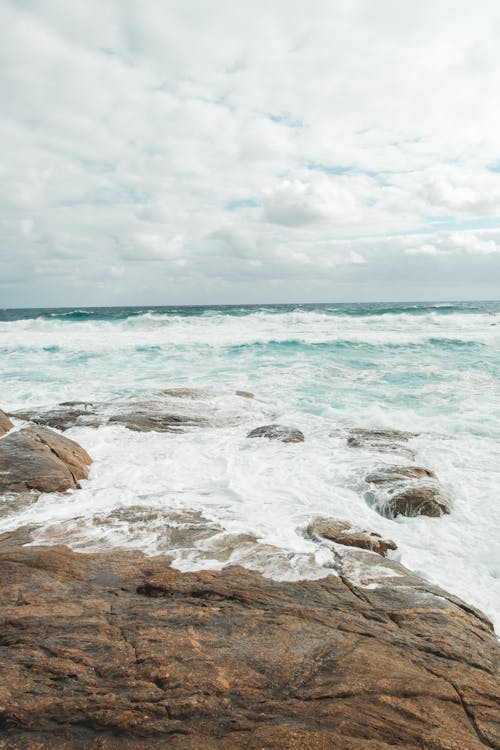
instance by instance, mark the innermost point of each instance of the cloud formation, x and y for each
(192, 152)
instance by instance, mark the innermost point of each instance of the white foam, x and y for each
(271, 490)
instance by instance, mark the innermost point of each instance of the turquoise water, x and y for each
(433, 368)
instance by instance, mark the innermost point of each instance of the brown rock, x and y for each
(245, 394)
(341, 532)
(407, 491)
(278, 432)
(37, 458)
(417, 501)
(5, 423)
(111, 651)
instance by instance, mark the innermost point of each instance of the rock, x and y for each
(193, 393)
(37, 458)
(278, 432)
(245, 394)
(389, 474)
(407, 491)
(143, 422)
(417, 501)
(140, 416)
(66, 415)
(342, 532)
(384, 441)
(117, 651)
(5, 423)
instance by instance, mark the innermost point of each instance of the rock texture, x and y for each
(168, 410)
(383, 441)
(278, 432)
(341, 532)
(135, 415)
(37, 458)
(5, 423)
(117, 651)
(408, 491)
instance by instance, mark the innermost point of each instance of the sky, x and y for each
(227, 151)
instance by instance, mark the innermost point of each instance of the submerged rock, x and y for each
(169, 410)
(118, 651)
(37, 458)
(278, 432)
(140, 416)
(341, 532)
(389, 474)
(155, 422)
(383, 441)
(5, 423)
(66, 415)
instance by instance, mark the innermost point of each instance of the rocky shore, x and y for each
(119, 650)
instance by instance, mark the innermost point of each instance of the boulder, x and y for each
(5, 423)
(407, 491)
(341, 532)
(37, 458)
(383, 441)
(278, 432)
(119, 651)
(416, 501)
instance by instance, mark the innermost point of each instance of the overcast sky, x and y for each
(164, 152)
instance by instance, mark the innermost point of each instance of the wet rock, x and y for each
(115, 650)
(341, 532)
(5, 423)
(389, 474)
(66, 415)
(407, 491)
(140, 416)
(166, 422)
(192, 393)
(245, 394)
(278, 432)
(417, 501)
(383, 441)
(37, 458)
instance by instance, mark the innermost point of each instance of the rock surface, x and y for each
(417, 501)
(115, 651)
(278, 432)
(389, 474)
(383, 441)
(5, 423)
(37, 458)
(168, 410)
(407, 491)
(135, 415)
(341, 532)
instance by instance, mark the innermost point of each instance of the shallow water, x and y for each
(211, 496)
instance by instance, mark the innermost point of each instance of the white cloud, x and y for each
(203, 150)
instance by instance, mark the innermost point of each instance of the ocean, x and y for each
(209, 496)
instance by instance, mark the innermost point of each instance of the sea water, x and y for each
(210, 496)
